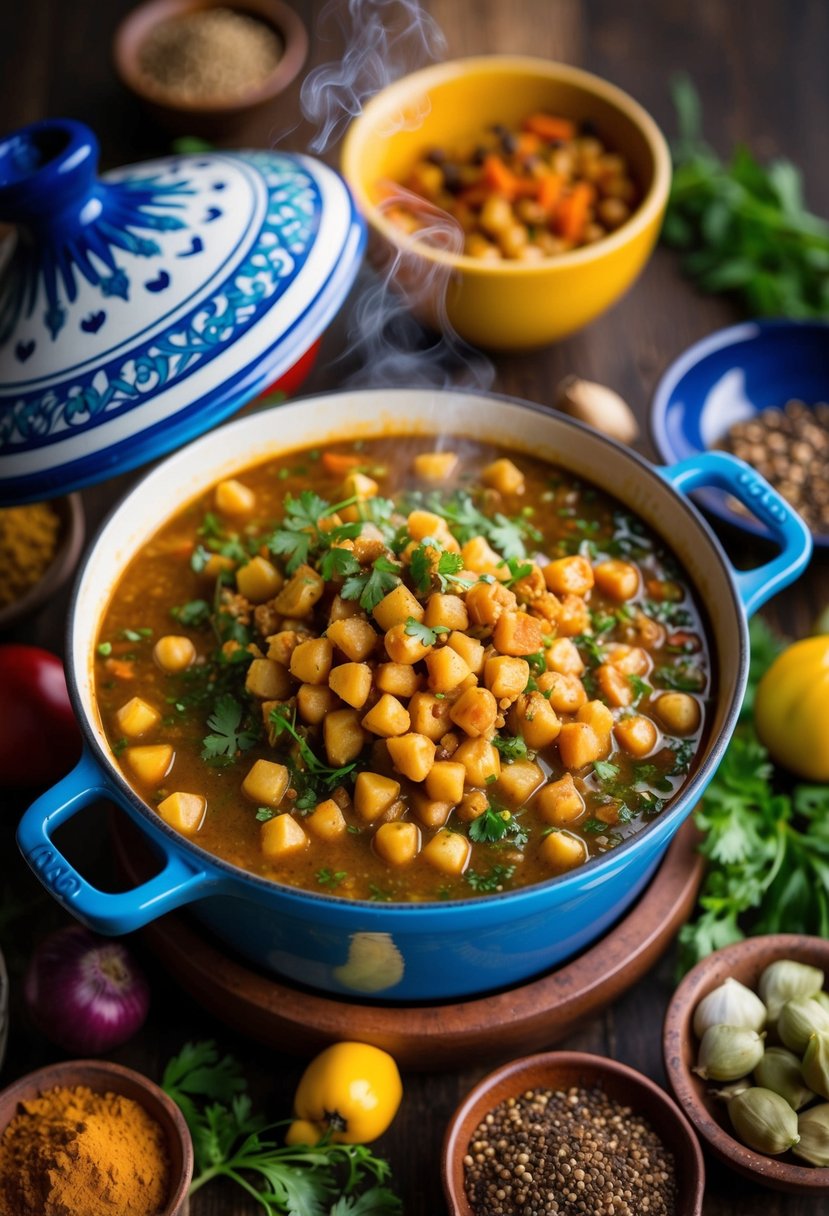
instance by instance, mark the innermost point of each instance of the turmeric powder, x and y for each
(28, 540)
(73, 1152)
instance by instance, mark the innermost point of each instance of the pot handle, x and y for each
(104, 912)
(726, 472)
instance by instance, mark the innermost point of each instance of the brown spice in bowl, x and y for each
(74, 1152)
(569, 1153)
(28, 542)
(210, 55)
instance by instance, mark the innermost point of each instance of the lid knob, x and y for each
(47, 172)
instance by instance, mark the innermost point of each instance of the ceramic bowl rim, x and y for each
(73, 529)
(647, 212)
(598, 1065)
(688, 793)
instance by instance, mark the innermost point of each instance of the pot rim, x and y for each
(673, 813)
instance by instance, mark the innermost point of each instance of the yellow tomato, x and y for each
(791, 710)
(351, 1090)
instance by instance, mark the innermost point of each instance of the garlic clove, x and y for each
(784, 980)
(598, 406)
(728, 1053)
(730, 1004)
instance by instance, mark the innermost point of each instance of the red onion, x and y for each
(85, 993)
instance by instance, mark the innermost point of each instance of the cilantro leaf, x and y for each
(496, 825)
(229, 738)
(282, 720)
(517, 569)
(605, 770)
(641, 688)
(371, 586)
(507, 536)
(511, 749)
(493, 880)
(416, 629)
(338, 563)
(193, 614)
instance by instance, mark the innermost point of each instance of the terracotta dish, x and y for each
(103, 1077)
(744, 961)
(70, 543)
(207, 118)
(559, 1070)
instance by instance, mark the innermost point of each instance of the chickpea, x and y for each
(173, 653)
(679, 712)
(496, 216)
(613, 212)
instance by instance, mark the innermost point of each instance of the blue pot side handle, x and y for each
(104, 912)
(725, 472)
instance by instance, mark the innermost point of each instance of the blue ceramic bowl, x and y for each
(403, 952)
(729, 377)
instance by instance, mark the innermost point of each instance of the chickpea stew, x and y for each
(523, 194)
(391, 672)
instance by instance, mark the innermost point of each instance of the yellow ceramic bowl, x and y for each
(508, 305)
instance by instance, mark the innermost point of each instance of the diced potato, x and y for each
(403, 647)
(480, 759)
(614, 687)
(506, 678)
(354, 636)
(259, 580)
(470, 649)
(435, 466)
(479, 557)
(445, 781)
(314, 701)
(232, 497)
(597, 715)
(563, 655)
(283, 644)
(472, 806)
(388, 717)
(569, 575)
(215, 565)
(565, 693)
(400, 679)
(412, 755)
(531, 587)
(430, 715)
(351, 682)
(327, 821)
(343, 735)
(519, 781)
(184, 812)
(637, 735)
(397, 843)
(678, 712)
(136, 717)
(421, 524)
(448, 852)
(341, 610)
(518, 633)
(268, 680)
(266, 783)
(573, 617)
(299, 595)
(562, 851)
(373, 795)
(358, 485)
(281, 837)
(630, 660)
(447, 611)
(485, 602)
(446, 669)
(396, 608)
(616, 579)
(579, 745)
(560, 803)
(475, 712)
(548, 608)
(533, 717)
(150, 763)
(173, 653)
(503, 476)
(428, 811)
(311, 661)
(368, 548)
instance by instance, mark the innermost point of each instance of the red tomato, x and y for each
(39, 736)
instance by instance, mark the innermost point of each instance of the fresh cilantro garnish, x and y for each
(517, 569)
(496, 825)
(229, 737)
(605, 770)
(588, 643)
(651, 774)
(193, 614)
(684, 676)
(424, 634)
(104, 649)
(537, 662)
(229, 1141)
(299, 535)
(264, 813)
(596, 827)
(511, 749)
(338, 563)
(371, 586)
(431, 566)
(465, 521)
(282, 720)
(601, 621)
(136, 635)
(684, 752)
(330, 878)
(493, 880)
(641, 688)
(199, 559)
(377, 894)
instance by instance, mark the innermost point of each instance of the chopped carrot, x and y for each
(474, 196)
(549, 191)
(340, 464)
(500, 177)
(572, 213)
(528, 143)
(122, 669)
(545, 126)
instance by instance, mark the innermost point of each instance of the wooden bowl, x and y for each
(70, 543)
(744, 961)
(559, 1070)
(103, 1077)
(207, 118)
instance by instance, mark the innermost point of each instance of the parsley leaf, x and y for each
(416, 629)
(511, 749)
(192, 615)
(605, 770)
(371, 586)
(338, 563)
(517, 569)
(496, 825)
(230, 737)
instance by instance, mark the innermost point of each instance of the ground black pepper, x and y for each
(572, 1153)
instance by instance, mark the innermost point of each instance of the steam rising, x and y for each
(383, 40)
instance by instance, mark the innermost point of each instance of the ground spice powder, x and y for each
(573, 1153)
(72, 1152)
(28, 540)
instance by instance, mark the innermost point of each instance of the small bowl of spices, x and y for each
(204, 67)
(89, 1138)
(760, 391)
(566, 1133)
(40, 544)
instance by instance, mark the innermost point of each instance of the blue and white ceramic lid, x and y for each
(140, 308)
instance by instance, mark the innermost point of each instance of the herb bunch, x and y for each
(744, 228)
(230, 1141)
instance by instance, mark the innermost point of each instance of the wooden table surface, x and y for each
(760, 69)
